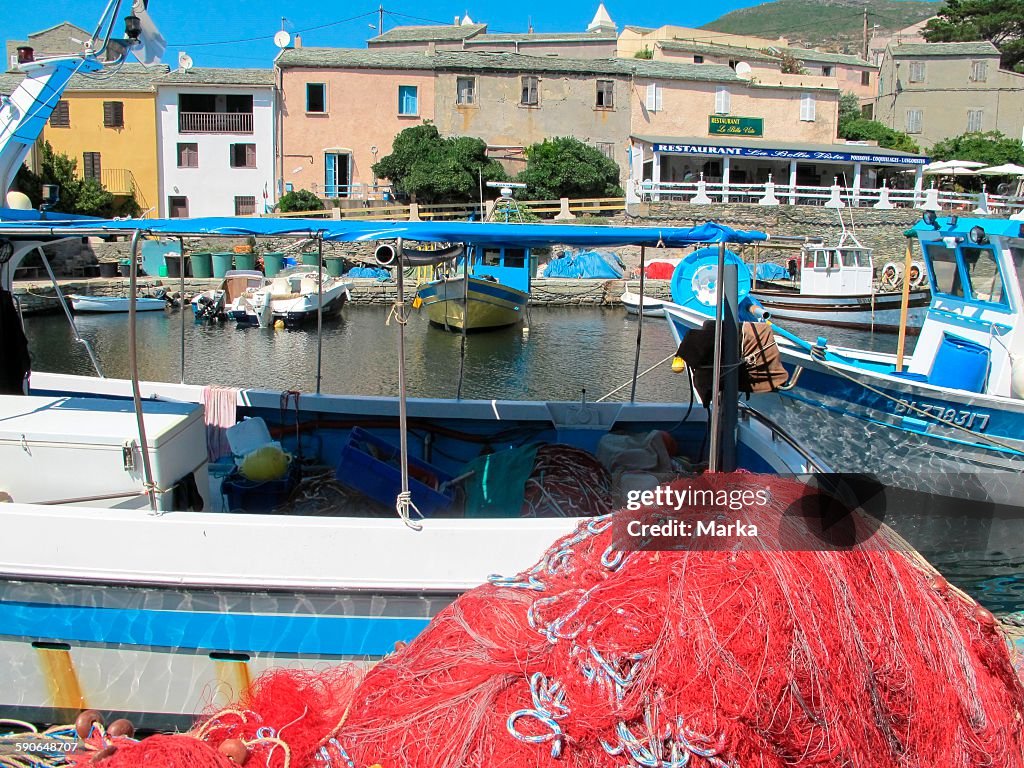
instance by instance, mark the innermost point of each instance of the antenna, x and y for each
(184, 62)
(281, 39)
(742, 69)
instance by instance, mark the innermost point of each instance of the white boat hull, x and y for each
(652, 307)
(188, 607)
(878, 312)
(114, 304)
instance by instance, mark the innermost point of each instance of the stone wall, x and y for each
(880, 230)
(38, 297)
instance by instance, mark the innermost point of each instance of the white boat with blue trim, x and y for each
(953, 406)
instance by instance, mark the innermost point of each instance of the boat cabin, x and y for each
(973, 335)
(843, 270)
(507, 265)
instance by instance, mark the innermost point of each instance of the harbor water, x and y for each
(563, 353)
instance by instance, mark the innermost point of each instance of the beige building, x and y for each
(878, 43)
(597, 42)
(511, 101)
(61, 38)
(934, 91)
(634, 39)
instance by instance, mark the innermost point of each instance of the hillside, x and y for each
(831, 24)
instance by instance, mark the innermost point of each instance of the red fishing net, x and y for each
(599, 656)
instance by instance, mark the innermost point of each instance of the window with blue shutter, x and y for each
(331, 175)
(408, 100)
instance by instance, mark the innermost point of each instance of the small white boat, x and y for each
(293, 297)
(652, 307)
(115, 303)
(215, 303)
(835, 286)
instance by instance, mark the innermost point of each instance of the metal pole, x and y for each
(730, 367)
(133, 359)
(465, 316)
(904, 305)
(319, 308)
(181, 302)
(67, 311)
(403, 418)
(640, 324)
(716, 381)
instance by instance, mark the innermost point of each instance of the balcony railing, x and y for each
(215, 122)
(834, 196)
(118, 181)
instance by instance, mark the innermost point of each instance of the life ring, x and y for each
(695, 280)
(892, 273)
(917, 276)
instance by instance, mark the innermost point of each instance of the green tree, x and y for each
(999, 21)
(644, 53)
(299, 200)
(872, 130)
(432, 169)
(849, 110)
(566, 167)
(87, 197)
(789, 63)
(992, 148)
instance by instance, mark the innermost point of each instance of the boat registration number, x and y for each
(966, 419)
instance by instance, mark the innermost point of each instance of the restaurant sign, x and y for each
(725, 125)
(877, 158)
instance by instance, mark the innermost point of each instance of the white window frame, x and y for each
(416, 96)
(975, 120)
(915, 120)
(653, 101)
(465, 97)
(918, 72)
(979, 71)
(723, 101)
(808, 107)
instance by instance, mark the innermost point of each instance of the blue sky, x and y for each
(243, 29)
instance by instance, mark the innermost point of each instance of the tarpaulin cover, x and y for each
(378, 273)
(585, 264)
(523, 235)
(769, 271)
(661, 270)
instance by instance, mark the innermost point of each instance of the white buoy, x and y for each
(18, 201)
(1017, 376)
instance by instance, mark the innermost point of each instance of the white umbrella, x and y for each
(946, 165)
(955, 170)
(1007, 169)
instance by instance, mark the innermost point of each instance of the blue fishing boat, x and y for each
(486, 288)
(947, 418)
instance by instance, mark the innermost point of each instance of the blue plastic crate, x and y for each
(370, 465)
(245, 495)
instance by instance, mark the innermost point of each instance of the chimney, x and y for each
(457, 20)
(431, 48)
(298, 41)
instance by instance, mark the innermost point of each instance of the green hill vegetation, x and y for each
(829, 24)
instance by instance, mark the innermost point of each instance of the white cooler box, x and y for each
(79, 449)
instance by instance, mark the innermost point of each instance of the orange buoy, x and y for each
(103, 754)
(121, 727)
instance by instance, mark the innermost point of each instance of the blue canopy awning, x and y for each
(478, 233)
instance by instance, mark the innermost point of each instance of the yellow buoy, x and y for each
(678, 364)
(417, 303)
(266, 463)
(279, 324)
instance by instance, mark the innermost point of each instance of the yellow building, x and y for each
(107, 123)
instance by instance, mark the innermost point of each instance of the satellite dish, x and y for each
(742, 69)
(282, 38)
(184, 61)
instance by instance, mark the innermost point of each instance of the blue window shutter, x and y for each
(330, 175)
(407, 100)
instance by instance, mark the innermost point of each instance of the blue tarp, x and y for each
(769, 271)
(522, 235)
(585, 264)
(378, 273)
